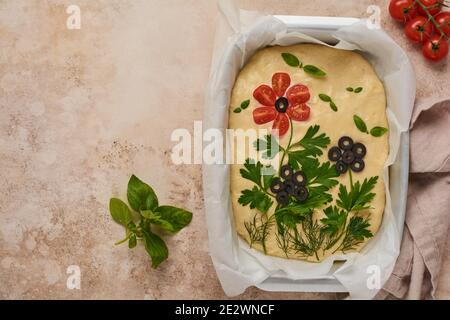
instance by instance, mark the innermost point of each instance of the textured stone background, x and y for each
(82, 110)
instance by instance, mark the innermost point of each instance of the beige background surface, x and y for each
(80, 111)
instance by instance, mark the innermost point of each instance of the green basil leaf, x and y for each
(360, 124)
(155, 247)
(237, 110)
(140, 195)
(132, 242)
(333, 106)
(170, 218)
(245, 104)
(324, 97)
(120, 212)
(349, 89)
(378, 131)
(313, 70)
(290, 59)
(358, 90)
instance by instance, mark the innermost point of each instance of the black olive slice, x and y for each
(359, 150)
(282, 104)
(290, 187)
(358, 165)
(286, 171)
(345, 143)
(334, 154)
(283, 198)
(301, 194)
(276, 185)
(341, 167)
(348, 157)
(300, 178)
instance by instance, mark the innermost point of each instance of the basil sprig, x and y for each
(293, 61)
(361, 125)
(327, 98)
(146, 214)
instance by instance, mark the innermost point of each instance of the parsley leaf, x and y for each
(356, 232)
(358, 197)
(334, 222)
(315, 200)
(252, 171)
(269, 145)
(256, 199)
(312, 143)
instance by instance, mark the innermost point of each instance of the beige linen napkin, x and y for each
(427, 222)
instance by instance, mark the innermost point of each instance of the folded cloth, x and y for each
(427, 222)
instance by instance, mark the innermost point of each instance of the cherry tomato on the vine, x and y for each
(443, 19)
(418, 29)
(402, 10)
(433, 6)
(435, 48)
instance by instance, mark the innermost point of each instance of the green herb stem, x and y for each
(431, 18)
(285, 151)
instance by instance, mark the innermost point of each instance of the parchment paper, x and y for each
(240, 34)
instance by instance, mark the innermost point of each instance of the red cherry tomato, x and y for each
(263, 115)
(280, 82)
(435, 48)
(281, 124)
(418, 29)
(433, 6)
(402, 10)
(298, 94)
(265, 95)
(299, 112)
(443, 19)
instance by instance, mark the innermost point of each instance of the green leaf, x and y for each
(237, 110)
(334, 222)
(267, 180)
(169, 218)
(252, 171)
(155, 247)
(356, 232)
(290, 59)
(269, 145)
(313, 70)
(256, 199)
(287, 218)
(120, 212)
(313, 143)
(358, 90)
(349, 89)
(333, 106)
(320, 177)
(132, 242)
(140, 195)
(360, 124)
(378, 131)
(245, 104)
(359, 197)
(324, 97)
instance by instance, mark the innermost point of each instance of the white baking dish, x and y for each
(238, 38)
(322, 28)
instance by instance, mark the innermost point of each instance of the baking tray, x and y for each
(322, 28)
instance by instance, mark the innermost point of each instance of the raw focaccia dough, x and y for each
(344, 69)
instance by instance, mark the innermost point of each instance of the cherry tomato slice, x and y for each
(280, 82)
(418, 29)
(433, 6)
(265, 95)
(403, 10)
(435, 49)
(299, 112)
(443, 19)
(281, 124)
(298, 94)
(263, 115)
